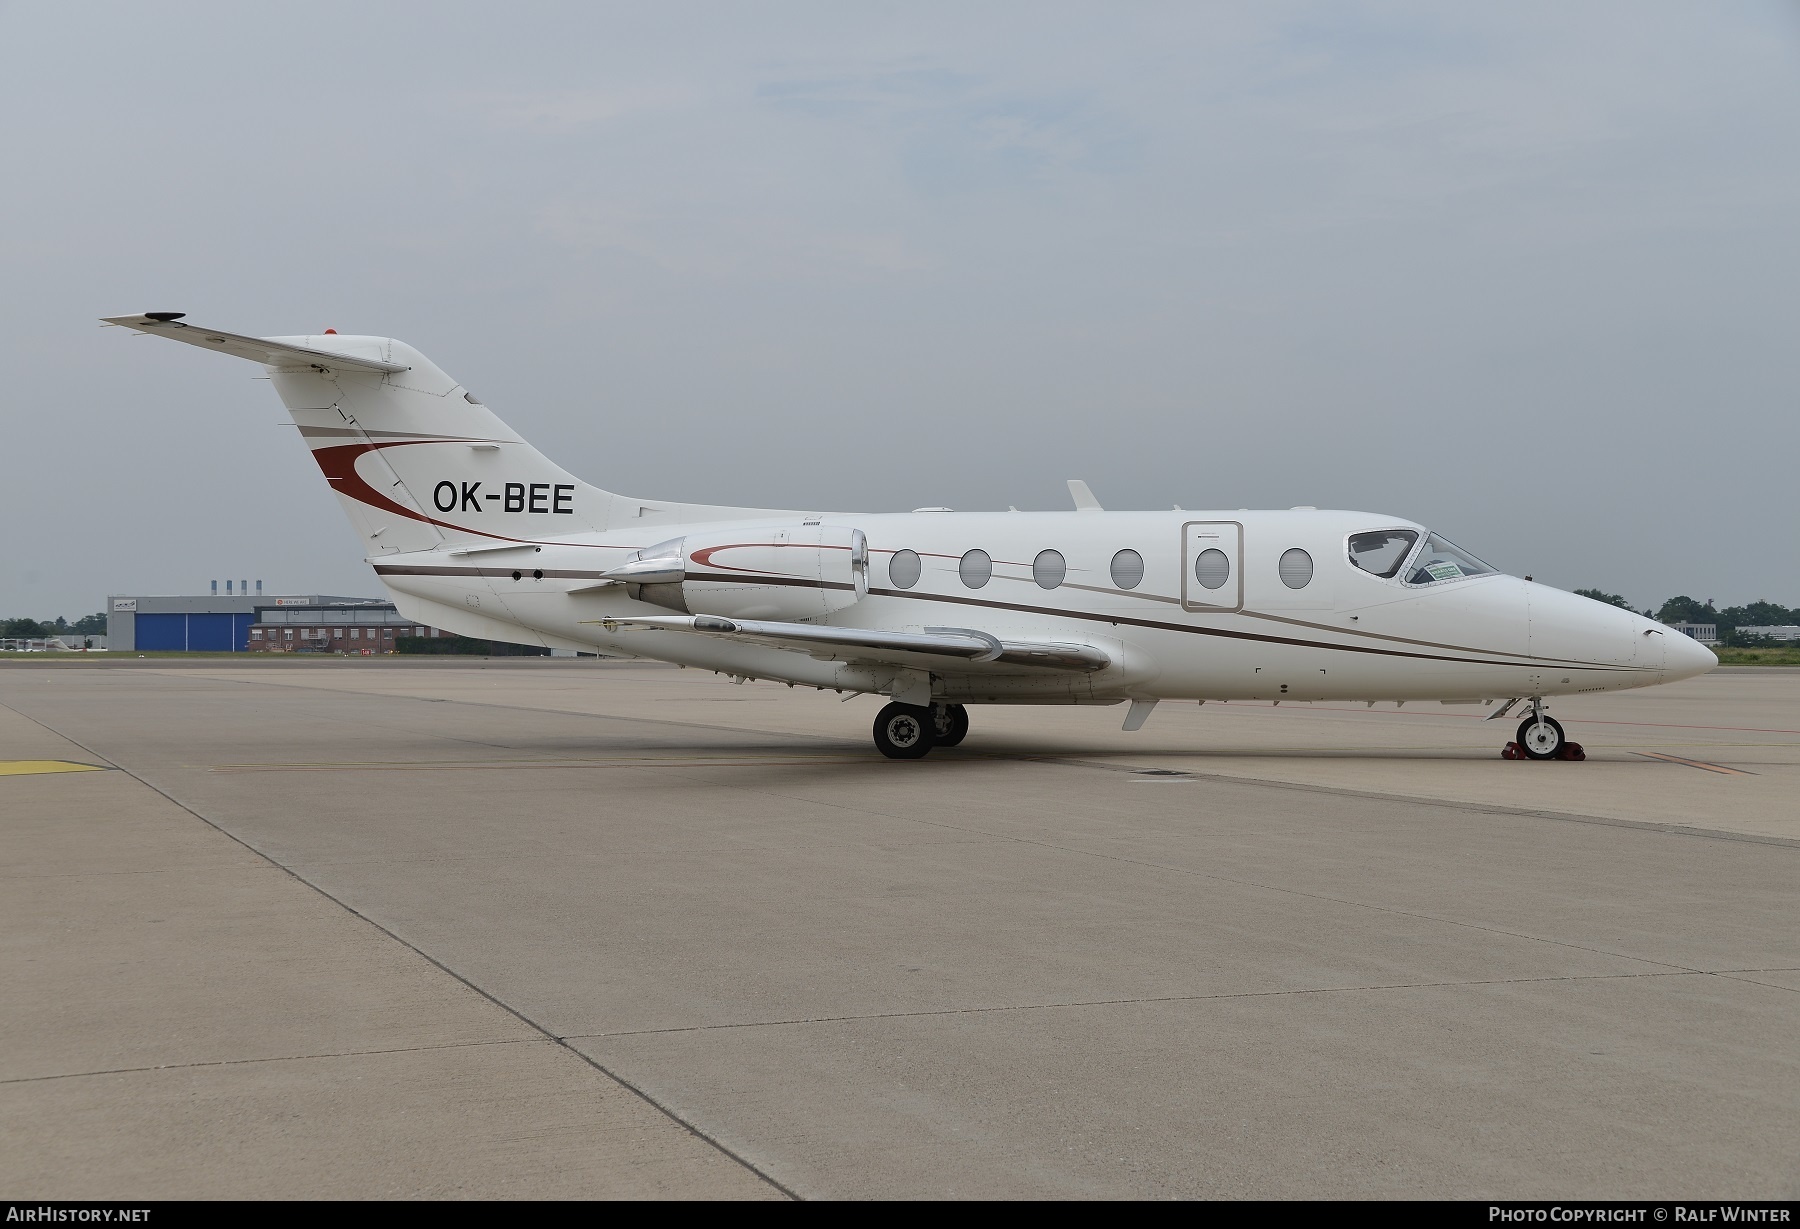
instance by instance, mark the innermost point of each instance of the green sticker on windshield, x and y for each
(1442, 569)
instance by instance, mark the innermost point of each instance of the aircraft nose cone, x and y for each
(1687, 657)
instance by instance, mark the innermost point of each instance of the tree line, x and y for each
(1736, 624)
(33, 629)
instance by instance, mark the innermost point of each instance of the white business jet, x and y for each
(473, 530)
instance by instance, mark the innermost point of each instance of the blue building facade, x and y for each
(209, 624)
(192, 633)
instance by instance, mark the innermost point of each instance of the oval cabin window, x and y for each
(1128, 569)
(976, 569)
(1213, 568)
(904, 569)
(1048, 569)
(1295, 568)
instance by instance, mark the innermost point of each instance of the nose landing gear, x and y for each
(1541, 737)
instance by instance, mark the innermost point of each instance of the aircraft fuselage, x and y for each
(1345, 634)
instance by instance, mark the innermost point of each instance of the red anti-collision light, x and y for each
(330, 333)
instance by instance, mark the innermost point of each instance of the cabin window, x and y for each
(1440, 559)
(976, 569)
(1295, 568)
(904, 569)
(1381, 551)
(1128, 569)
(1048, 569)
(1212, 568)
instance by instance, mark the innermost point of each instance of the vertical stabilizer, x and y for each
(419, 463)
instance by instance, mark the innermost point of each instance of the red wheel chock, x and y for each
(1570, 751)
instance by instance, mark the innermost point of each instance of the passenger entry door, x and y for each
(1212, 566)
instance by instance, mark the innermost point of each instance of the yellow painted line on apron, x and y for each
(26, 768)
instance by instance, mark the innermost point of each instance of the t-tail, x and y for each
(417, 461)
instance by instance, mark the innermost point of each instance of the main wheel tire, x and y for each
(1540, 738)
(949, 724)
(903, 731)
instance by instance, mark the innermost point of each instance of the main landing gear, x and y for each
(909, 731)
(949, 724)
(1541, 737)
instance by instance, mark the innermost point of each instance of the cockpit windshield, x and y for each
(1381, 551)
(1440, 559)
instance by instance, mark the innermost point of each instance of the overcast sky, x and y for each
(1527, 273)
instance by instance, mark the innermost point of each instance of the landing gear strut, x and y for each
(1541, 737)
(950, 723)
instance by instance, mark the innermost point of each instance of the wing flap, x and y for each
(269, 352)
(935, 646)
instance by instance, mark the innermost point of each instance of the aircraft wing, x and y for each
(256, 349)
(932, 648)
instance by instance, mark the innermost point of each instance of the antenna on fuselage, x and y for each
(1084, 498)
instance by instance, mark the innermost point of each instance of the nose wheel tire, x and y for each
(904, 731)
(1541, 738)
(949, 724)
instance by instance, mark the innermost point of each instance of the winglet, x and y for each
(1084, 498)
(269, 351)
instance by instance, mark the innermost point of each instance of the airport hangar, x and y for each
(245, 623)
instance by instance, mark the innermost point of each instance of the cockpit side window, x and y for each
(1381, 551)
(1440, 559)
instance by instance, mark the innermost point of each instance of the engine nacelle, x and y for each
(779, 572)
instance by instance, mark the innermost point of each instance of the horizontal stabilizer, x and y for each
(257, 349)
(872, 645)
